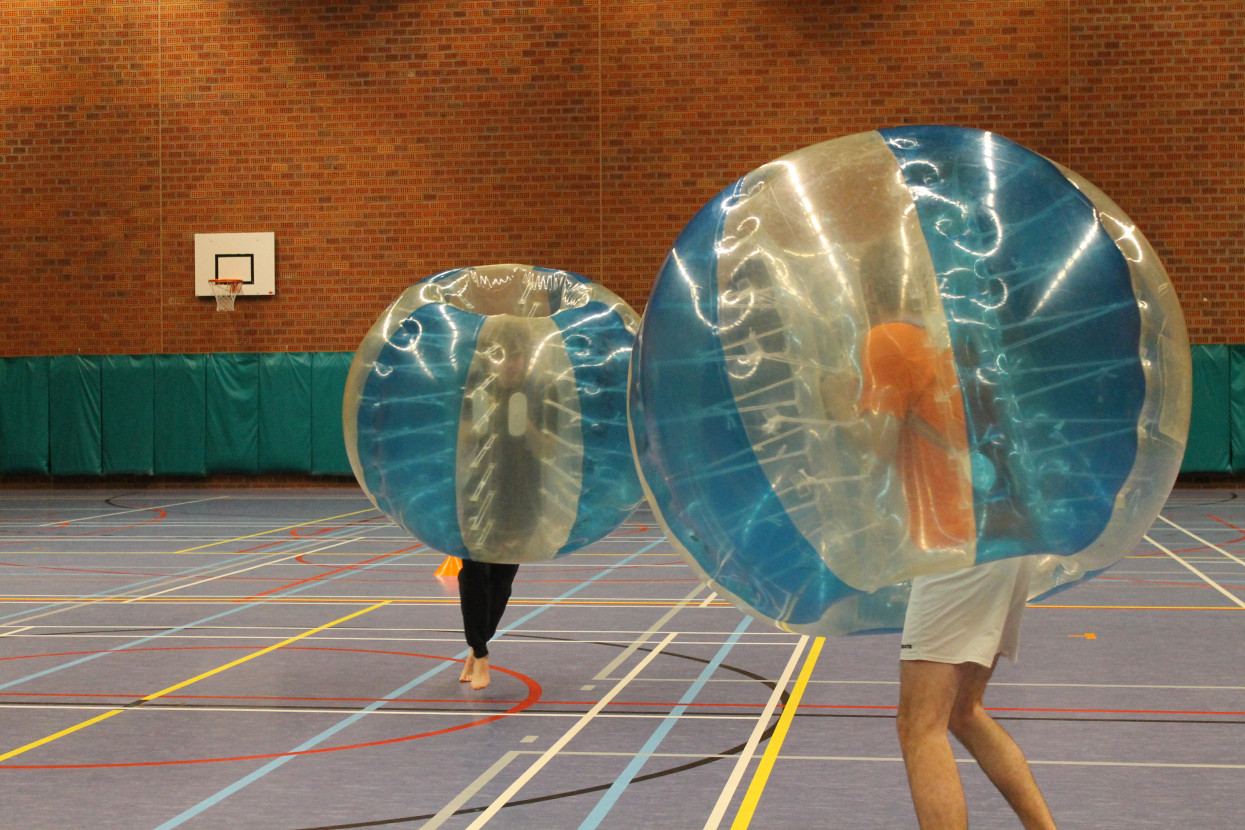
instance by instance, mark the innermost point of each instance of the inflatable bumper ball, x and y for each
(485, 413)
(903, 352)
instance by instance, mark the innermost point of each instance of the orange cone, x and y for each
(450, 567)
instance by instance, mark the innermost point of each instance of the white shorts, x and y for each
(968, 616)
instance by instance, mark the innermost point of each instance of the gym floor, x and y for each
(280, 659)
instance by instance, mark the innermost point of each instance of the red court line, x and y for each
(60, 525)
(75, 570)
(652, 704)
(633, 529)
(304, 532)
(326, 574)
(1221, 521)
(534, 692)
(1159, 582)
(1045, 710)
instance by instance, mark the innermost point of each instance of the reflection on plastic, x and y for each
(485, 412)
(904, 352)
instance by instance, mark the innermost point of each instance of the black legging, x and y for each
(483, 591)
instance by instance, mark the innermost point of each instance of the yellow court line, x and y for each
(746, 810)
(1137, 607)
(266, 532)
(594, 603)
(190, 550)
(60, 734)
(185, 683)
(261, 652)
(452, 600)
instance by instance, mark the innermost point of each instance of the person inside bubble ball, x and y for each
(513, 405)
(958, 623)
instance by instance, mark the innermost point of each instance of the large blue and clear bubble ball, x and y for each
(485, 412)
(902, 352)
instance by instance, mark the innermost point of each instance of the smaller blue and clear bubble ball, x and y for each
(485, 412)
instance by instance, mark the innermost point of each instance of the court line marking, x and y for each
(624, 780)
(446, 812)
(225, 575)
(1212, 583)
(1040, 606)
(274, 551)
(1188, 532)
(645, 636)
(61, 604)
(372, 707)
(745, 757)
(567, 736)
(540, 601)
(72, 603)
(753, 796)
(58, 735)
(971, 762)
(233, 608)
(266, 532)
(154, 695)
(123, 511)
(261, 652)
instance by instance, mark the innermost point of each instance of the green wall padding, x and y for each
(195, 414)
(285, 412)
(128, 398)
(180, 414)
(233, 413)
(1236, 406)
(75, 438)
(24, 414)
(173, 414)
(328, 385)
(1209, 449)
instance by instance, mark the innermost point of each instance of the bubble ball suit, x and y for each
(806, 472)
(485, 413)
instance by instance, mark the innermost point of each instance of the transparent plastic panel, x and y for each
(483, 412)
(903, 352)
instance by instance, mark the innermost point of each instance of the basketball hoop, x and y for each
(225, 291)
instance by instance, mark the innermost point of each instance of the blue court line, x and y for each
(132, 585)
(167, 632)
(311, 743)
(283, 547)
(624, 780)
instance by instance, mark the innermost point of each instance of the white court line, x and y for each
(644, 636)
(1212, 583)
(389, 712)
(970, 762)
(1188, 532)
(129, 510)
(211, 578)
(16, 631)
(266, 563)
(446, 812)
(709, 599)
(745, 757)
(552, 751)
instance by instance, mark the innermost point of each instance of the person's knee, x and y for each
(966, 719)
(914, 723)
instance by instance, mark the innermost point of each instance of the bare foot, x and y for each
(479, 674)
(468, 667)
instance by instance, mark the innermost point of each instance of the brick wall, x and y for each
(386, 140)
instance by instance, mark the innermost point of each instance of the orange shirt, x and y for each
(906, 378)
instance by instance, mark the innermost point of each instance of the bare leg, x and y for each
(927, 692)
(479, 673)
(468, 668)
(996, 752)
